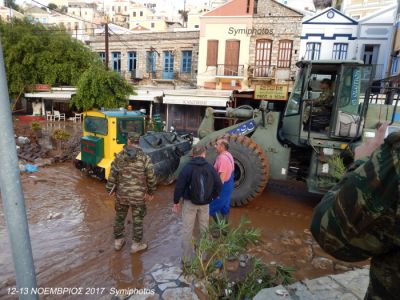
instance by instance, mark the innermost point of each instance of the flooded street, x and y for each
(70, 221)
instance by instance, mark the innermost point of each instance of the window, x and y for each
(112, 8)
(96, 125)
(116, 61)
(132, 61)
(152, 25)
(313, 51)
(285, 53)
(395, 66)
(134, 13)
(186, 61)
(141, 14)
(196, 26)
(263, 58)
(151, 61)
(102, 56)
(339, 51)
(255, 8)
(119, 8)
(212, 53)
(125, 8)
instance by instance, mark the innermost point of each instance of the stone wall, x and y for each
(159, 41)
(277, 22)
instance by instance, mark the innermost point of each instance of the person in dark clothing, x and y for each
(197, 184)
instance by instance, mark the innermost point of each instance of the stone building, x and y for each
(153, 58)
(159, 63)
(274, 44)
(245, 44)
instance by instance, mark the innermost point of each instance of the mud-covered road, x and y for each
(70, 218)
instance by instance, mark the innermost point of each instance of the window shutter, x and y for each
(212, 53)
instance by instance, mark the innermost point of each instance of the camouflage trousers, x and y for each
(315, 110)
(138, 213)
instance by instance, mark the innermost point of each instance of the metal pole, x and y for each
(12, 196)
(106, 43)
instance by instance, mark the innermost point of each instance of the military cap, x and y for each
(134, 137)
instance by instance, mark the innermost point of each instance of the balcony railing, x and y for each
(263, 71)
(230, 70)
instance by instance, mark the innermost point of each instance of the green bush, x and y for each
(221, 243)
(36, 126)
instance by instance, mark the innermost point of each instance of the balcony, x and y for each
(263, 71)
(230, 71)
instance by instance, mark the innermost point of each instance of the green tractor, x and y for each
(268, 143)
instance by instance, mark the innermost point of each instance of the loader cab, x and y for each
(327, 102)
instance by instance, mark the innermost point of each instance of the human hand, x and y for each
(176, 208)
(367, 148)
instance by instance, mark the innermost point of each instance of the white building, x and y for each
(358, 9)
(375, 39)
(331, 34)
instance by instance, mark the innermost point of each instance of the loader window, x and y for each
(96, 125)
(349, 121)
(293, 105)
(129, 125)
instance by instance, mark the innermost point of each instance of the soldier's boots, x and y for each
(118, 244)
(136, 247)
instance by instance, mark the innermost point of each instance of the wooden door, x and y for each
(232, 48)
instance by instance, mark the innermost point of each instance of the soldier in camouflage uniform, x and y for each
(360, 217)
(323, 103)
(132, 173)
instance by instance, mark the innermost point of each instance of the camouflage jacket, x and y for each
(133, 174)
(325, 99)
(360, 218)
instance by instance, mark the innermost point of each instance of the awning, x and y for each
(197, 97)
(146, 95)
(56, 96)
(197, 101)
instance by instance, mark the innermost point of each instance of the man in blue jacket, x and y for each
(197, 184)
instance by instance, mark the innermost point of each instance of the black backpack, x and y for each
(201, 185)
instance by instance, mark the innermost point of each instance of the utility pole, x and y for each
(13, 198)
(106, 43)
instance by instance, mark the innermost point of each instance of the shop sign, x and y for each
(272, 92)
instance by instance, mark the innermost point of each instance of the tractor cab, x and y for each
(327, 102)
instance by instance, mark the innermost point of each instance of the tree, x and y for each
(184, 16)
(99, 87)
(37, 54)
(52, 6)
(13, 5)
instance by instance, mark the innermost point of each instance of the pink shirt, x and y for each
(224, 164)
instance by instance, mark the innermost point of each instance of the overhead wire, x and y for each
(71, 16)
(118, 37)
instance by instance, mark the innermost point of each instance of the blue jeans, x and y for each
(222, 204)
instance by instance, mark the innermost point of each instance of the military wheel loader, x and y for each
(268, 143)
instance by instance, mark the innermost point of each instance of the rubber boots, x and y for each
(136, 247)
(119, 243)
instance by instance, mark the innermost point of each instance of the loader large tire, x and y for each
(251, 169)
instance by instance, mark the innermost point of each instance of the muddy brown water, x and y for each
(70, 222)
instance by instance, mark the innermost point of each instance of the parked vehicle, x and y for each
(104, 135)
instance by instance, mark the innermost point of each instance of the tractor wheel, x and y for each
(251, 168)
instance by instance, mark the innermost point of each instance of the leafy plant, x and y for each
(337, 167)
(99, 87)
(211, 255)
(61, 135)
(36, 126)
